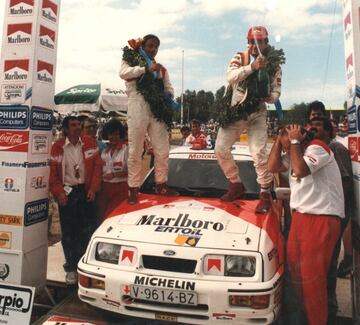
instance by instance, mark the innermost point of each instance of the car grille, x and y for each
(169, 264)
(177, 306)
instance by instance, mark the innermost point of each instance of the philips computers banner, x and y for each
(27, 79)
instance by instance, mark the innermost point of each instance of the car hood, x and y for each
(184, 221)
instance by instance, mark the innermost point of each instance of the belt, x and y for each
(78, 186)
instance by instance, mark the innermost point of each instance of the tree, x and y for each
(297, 114)
(215, 108)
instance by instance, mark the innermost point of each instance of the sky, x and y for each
(92, 34)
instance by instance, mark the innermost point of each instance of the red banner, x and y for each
(15, 141)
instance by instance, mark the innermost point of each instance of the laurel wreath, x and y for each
(230, 114)
(151, 89)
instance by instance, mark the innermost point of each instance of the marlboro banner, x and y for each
(27, 84)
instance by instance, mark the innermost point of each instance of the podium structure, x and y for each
(27, 79)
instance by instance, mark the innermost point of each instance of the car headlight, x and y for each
(108, 253)
(230, 265)
(240, 265)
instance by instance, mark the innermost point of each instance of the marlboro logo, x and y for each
(16, 70)
(21, 7)
(347, 26)
(347, 21)
(47, 37)
(349, 61)
(45, 71)
(19, 33)
(349, 67)
(49, 10)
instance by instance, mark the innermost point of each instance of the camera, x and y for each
(309, 134)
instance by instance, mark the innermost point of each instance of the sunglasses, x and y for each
(259, 41)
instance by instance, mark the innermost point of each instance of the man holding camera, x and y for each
(317, 202)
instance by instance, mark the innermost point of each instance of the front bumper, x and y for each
(212, 298)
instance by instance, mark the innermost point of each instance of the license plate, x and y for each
(163, 295)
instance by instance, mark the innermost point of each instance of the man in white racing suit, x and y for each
(141, 119)
(241, 68)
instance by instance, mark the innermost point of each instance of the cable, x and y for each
(329, 50)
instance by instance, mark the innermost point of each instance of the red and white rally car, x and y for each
(190, 259)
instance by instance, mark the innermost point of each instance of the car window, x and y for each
(204, 178)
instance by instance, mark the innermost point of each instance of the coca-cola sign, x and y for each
(15, 141)
(14, 117)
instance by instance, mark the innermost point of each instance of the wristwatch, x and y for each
(294, 141)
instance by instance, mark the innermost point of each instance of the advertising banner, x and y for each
(16, 305)
(27, 85)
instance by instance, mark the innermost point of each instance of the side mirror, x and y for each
(283, 193)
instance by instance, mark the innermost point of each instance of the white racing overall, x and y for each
(141, 121)
(238, 70)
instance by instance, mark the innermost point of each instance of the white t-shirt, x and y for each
(190, 139)
(320, 192)
(115, 162)
(73, 159)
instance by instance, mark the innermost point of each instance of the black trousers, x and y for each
(78, 221)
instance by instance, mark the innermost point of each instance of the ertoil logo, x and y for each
(19, 33)
(16, 70)
(21, 7)
(49, 10)
(45, 71)
(180, 225)
(47, 37)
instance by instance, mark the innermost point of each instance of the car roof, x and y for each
(239, 152)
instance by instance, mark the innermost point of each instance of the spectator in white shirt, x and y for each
(114, 172)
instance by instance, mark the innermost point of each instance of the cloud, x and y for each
(308, 90)
(290, 19)
(92, 33)
(90, 39)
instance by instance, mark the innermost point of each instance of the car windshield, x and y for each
(203, 178)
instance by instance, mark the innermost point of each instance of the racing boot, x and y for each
(163, 189)
(133, 195)
(264, 204)
(235, 191)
